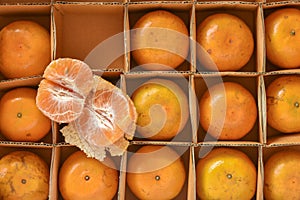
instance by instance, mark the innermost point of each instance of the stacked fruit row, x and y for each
(194, 93)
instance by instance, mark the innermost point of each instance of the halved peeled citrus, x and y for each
(61, 95)
(100, 115)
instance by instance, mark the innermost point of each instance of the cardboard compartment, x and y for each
(25, 2)
(137, 9)
(253, 152)
(183, 152)
(62, 153)
(268, 8)
(39, 13)
(134, 80)
(251, 83)
(248, 12)
(90, 32)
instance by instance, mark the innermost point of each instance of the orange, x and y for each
(20, 119)
(100, 116)
(159, 40)
(282, 28)
(228, 111)
(283, 104)
(226, 173)
(162, 108)
(86, 178)
(61, 95)
(225, 42)
(25, 49)
(23, 175)
(108, 115)
(282, 175)
(156, 172)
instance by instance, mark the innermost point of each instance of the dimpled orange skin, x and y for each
(156, 172)
(86, 178)
(228, 111)
(282, 29)
(23, 175)
(20, 119)
(25, 49)
(225, 173)
(169, 41)
(282, 175)
(225, 40)
(283, 104)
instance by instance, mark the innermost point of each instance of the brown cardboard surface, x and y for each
(77, 27)
(80, 28)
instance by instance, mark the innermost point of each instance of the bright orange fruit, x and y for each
(25, 49)
(160, 40)
(156, 172)
(283, 102)
(23, 175)
(282, 175)
(283, 37)
(20, 119)
(228, 111)
(226, 173)
(225, 42)
(86, 178)
(108, 115)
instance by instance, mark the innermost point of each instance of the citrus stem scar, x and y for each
(87, 178)
(19, 115)
(296, 104)
(229, 176)
(293, 32)
(23, 181)
(157, 177)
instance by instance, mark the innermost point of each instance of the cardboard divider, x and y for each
(251, 151)
(183, 10)
(183, 152)
(248, 12)
(203, 82)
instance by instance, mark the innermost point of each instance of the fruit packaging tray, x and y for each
(77, 27)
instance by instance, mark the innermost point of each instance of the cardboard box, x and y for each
(78, 27)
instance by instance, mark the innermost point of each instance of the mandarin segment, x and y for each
(107, 116)
(72, 74)
(58, 103)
